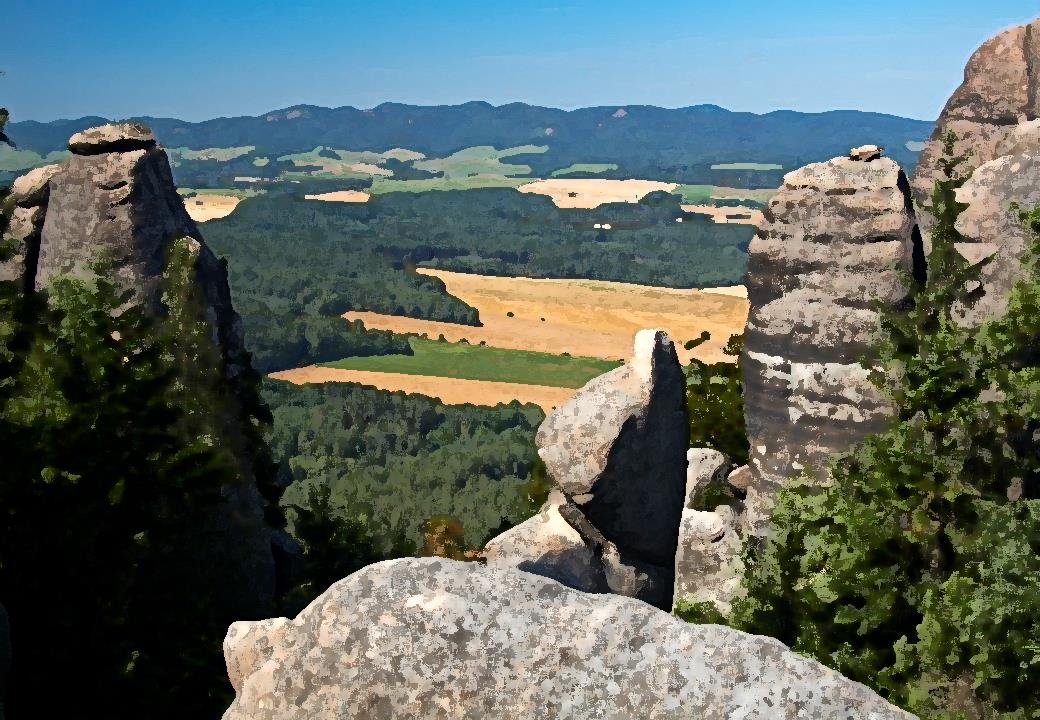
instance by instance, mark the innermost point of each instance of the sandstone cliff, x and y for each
(836, 239)
(113, 205)
(996, 115)
(615, 452)
(999, 91)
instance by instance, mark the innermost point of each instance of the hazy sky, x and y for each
(196, 60)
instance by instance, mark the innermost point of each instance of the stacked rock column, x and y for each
(837, 238)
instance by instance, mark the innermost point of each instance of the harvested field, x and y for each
(592, 192)
(208, 206)
(344, 196)
(449, 390)
(733, 215)
(590, 318)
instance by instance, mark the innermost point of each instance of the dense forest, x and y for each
(394, 461)
(296, 264)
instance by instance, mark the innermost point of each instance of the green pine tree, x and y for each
(120, 563)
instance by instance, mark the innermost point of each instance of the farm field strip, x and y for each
(210, 206)
(462, 361)
(450, 391)
(586, 318)
(592, 192)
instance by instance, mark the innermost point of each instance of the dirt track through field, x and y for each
(450, 390)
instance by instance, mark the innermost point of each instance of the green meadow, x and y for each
(480, 362)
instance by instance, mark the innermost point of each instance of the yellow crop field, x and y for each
(589, 318)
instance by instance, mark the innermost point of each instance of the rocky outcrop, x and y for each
(114, 202)
(1000, 90)
(434, 638)
(548, 545)
(996, 115)
(616, 453)
(837, 238)
(992, 229)
(25, 211)
(112, 207)
(708, 564)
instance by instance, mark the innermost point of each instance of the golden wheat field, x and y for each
(451, 391)
(590, 318)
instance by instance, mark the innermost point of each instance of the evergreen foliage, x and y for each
(917, 569)
(395, 461)
(120, 564)
(714, 402)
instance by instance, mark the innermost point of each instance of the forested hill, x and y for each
(643, 141)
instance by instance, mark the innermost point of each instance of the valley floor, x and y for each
(577, 318)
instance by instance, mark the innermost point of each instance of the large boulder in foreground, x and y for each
(434, 638)
(838, 238)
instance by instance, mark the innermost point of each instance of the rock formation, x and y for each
(1000, 90)
(996, 115)
(838, 237)
(113, 207)
(434, 638)
(548, 545)
(28, 207)
(616, 453)
(708, 564)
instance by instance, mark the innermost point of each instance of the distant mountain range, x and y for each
(679, 145)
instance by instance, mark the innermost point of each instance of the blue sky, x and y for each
(196, 60)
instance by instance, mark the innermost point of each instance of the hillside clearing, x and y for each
(587, 318)
(480, 160)
(448, 390)
(722, 215)
(344, 196)
(583, 168)
(210, 206)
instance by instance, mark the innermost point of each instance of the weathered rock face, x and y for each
(28, 206)
(992, 228)
(114, 202)
(547, 545)
(1000, 90)
(996, 115)
(617, 449)
(835, 240)
(708, 562)
(616, 453)
(432, 638)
